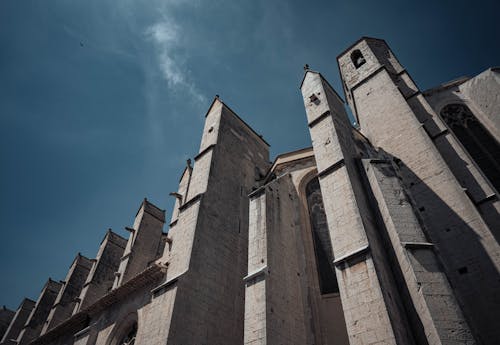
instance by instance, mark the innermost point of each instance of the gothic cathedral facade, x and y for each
(386, 232)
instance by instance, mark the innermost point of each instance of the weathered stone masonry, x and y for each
(383, 233)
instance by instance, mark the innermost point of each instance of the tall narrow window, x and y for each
(129, 337)
(357, 58)
(321, 239)
(480, 144)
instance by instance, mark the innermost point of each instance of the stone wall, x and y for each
(18, 321)
(372, 306)
(40, 312)
(101, 277)
(465, 243)
(71, 289)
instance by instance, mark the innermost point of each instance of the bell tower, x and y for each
(447, 187)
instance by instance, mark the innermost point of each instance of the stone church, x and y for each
(383, 233)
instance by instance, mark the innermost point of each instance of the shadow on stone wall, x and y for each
(475, 281)
(458, 166)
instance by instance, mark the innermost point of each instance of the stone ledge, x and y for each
(190, 202)
(256, 273)
(378, 161)
(332, 168)
(417, 245)
(166, 284)
(82, 333)
(355, 253)
(318, 119)
(416, 93)
(258, 192)
(203, 152)
(492, 197)
(437, 135)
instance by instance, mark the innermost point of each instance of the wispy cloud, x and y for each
(166, 37)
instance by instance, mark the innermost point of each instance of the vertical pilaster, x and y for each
(255, 282)
(275, 312)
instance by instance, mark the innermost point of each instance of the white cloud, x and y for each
(166, 38)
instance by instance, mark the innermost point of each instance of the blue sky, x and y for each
(102, 101)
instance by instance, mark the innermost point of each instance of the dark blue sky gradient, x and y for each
(102, 101)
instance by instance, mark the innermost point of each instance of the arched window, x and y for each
(357, 58)
(125, 331)
(480, 144)
(321, 238)
(128, 337)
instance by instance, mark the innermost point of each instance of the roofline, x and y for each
(110, 232)
(304, 76)
(26, 299)
(333, 89)
(309, 148)
(147, 202)
(324, 79)
(188, 167)
(448, 84)
(217, 98)
(274, 165)
(359, 40)
(78, 256)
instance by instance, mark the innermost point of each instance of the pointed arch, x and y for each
(482, 147)
(125, 331)
(319, 233)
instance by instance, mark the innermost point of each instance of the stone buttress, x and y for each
(6, 316)
(142, 246)
(101, 276)
(450, 198)
(373, 308)
(67, 297)
(276, 309)
(202, 298)
(17, 322)
(34, 324)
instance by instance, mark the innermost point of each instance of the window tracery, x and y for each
(481, 145)
(321, 238)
